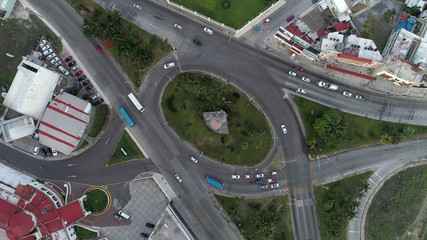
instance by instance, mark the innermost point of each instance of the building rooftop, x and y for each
(17, 128)
(7, 7)
(366, 48)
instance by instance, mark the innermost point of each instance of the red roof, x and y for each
(71, 212)
(292, 28)
(342, 26)
(322, 32)
(404, 16)
(21, 224)
(365, 60)
(307, 38)
(349, 72)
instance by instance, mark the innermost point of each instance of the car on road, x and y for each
(51, 56)
(305, 79)
(150, 225)
(257, 29)
(98, 49)
(68, 58)
(269, 180)
(178, 26)
(75, 67)
(78, 73)
(247, 176)
(81, 78)
(99, 101)
(259, 175)
(36, 150)
(44, 154)
(299, 68)
(274, 185)
(283, 127)
(158, 15)
(290, 18)
(347, 94)
(178, 178)
(72, 63)
(197, 42)
(359, 97)
(274, 172)
(259, 181)
(267, 20)
(144, 235)
(137, 6)
(292, 73)
(169, 65)
(263, 186)
(42, 43)
(208, 30)
(193, 159)
(54, 152)
(85, 83)
(235, 176)
(302, 91)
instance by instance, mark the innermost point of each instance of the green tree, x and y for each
(414, 10)
(367, 29)
(389, 14)
(386, 139)
(312, 144)
(408, 131)
(328, 205)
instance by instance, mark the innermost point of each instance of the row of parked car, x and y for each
(51, 56)
(46, 152)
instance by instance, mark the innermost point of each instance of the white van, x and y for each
(123, 214)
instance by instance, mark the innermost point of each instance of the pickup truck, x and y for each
(327, 85)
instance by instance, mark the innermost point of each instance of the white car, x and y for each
(56, 59)
(274, 172)
(275, 185)
(169, 65)
(269, 180)
(95, 96)
(137, 6)
(36, 150)
(305, 79)
(54, 152)
(283, 127)
(359, 97)
(57, 64)
(42, 43)
(45, 48)
(75, 67)
(347, 94)
(302, 91)
(193, 159)
(48, 51)
(178, 26)
(178, 178)
(248, 176)
(292, 73)
(235, 176)
(208, 30)
(259, 175)
(52, 55)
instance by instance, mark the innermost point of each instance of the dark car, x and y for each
(49, 152)
(144, 235)
(78, 73)
(72, 63)
(196, 41)
(82, 78)
(89, 87)
(99, 101)
(150, 225)
(158, 15)
(259, 181)
(85, 83)
(68, 58)
(92, 91)
(290, 18)
(43, 152)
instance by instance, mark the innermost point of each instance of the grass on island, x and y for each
(83, 233)
(190, 94)
(352, 130)
(96, 200)
(99, 120)
(133, 48)
(263, 219)
(18, 38)
(400, 207)
(129, 147)
(336, 206)
(235, 13)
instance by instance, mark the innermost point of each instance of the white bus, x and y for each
(136, 102)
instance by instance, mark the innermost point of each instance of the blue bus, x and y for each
(127, 118)
(214, 183)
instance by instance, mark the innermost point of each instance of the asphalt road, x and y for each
(261, 76)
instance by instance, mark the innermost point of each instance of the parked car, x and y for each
(78, 73)
(51, 56)
(36, 150)
(49, 152)
(248, 176)
(47, 52)
(290, 18)
(137, 6)
(269, 180)
(306, 79)
(193, 159)
(95, 96)
(263, 186)
(99, 101)
(235, 176)
(54, 60)
(259, 175)
(85, 83)
(267, 20)
(57, 64)
(42, 43)
(150, 225)
(169, 65)
(68, 58)
(299, 68)
(72, 63)
(118, 217)
(98, 49)
(75, 67)
(259, 181)
(92, 91)
(208, 30)
(43, 151)
(81, 78)
(283, 127)
(197, 42)
(292, 73)
(274, 172)
(178, 178)
(302, 91)
(275, 185)
(45, 48)
(359, 97)
(89, 87)
(347, 94)
(178, 26)
(144, 235)
(158, 15)
(257, 29)
(54, 152)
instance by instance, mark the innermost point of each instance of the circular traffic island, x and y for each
(96, 200)
(216, 118)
